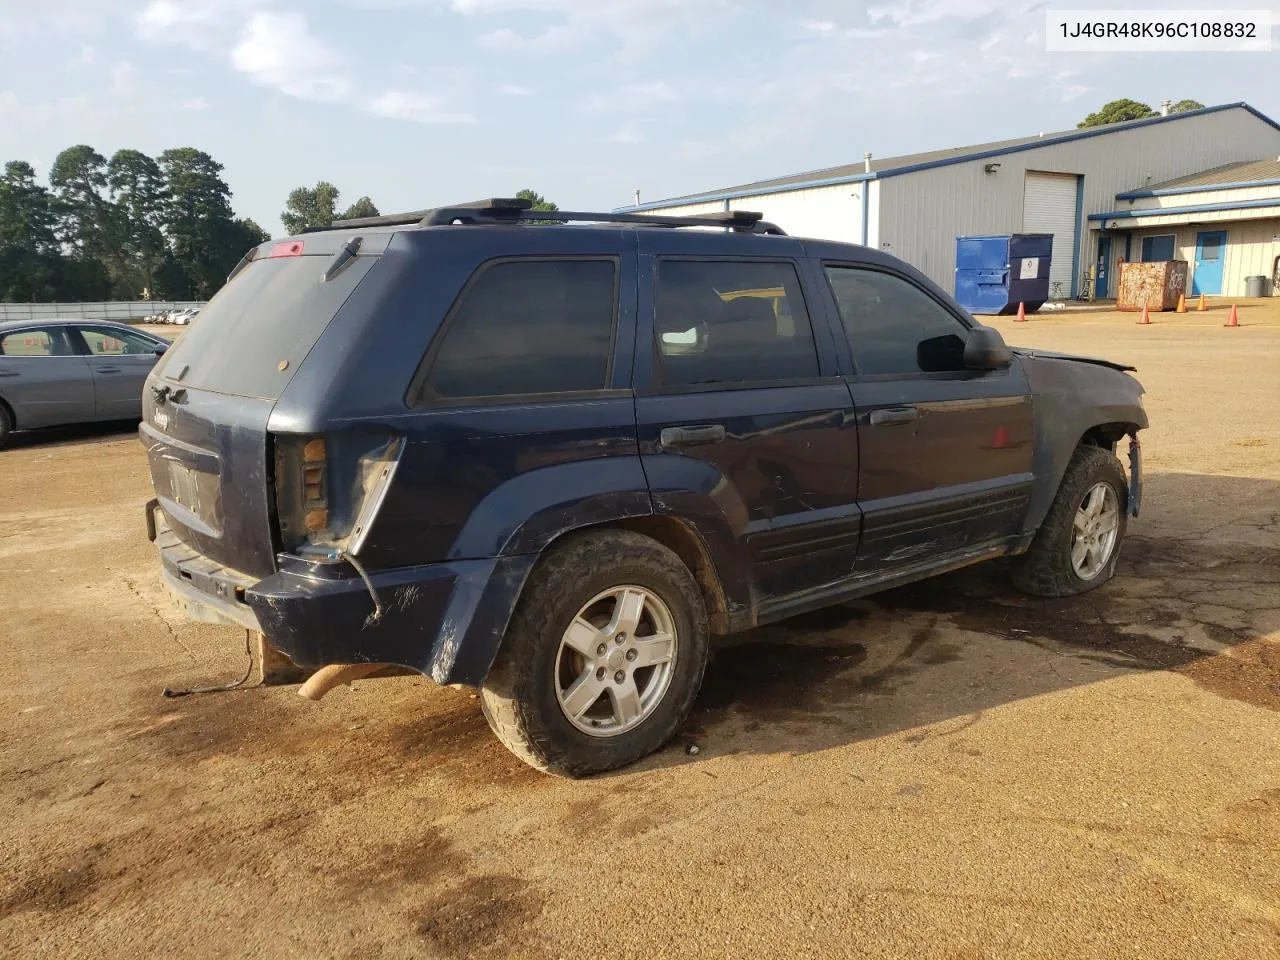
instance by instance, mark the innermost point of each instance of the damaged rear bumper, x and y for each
(445, 620)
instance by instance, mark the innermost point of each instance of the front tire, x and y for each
(6, 425)
(1076, 548)
(603, 658)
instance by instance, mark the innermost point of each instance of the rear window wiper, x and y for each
(345, 255)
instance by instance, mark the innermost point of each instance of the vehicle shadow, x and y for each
(79, 433)
(1196, 579)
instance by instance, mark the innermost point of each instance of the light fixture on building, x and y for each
(991, 167)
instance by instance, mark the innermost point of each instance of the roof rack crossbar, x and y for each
(518, 210)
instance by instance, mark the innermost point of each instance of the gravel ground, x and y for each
(947, 770)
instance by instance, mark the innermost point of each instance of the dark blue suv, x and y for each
(551, 460)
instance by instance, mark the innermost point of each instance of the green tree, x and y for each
(310, 207)
(539, 203)
(1115, 112)
(197, 211)
(90, 224)
(138, 189)
(364, 207)
(1182, 106)
(31, 263)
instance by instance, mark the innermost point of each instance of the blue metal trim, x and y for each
(866, 212)
(1075, 247)
(1202, 188)
(1175, 211)
(946, 161)
(739, 194)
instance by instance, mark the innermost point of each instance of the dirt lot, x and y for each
(950, 770)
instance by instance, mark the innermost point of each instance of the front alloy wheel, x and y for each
(1095, 530)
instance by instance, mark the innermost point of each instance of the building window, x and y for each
(1158, 248)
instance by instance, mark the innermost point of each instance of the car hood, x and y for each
(1051, 355)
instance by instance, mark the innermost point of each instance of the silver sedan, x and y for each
(71, 371)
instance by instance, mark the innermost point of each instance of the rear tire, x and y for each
(6, 425)
(1077, 545)
(562, 646)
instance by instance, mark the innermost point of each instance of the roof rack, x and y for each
(517, 210)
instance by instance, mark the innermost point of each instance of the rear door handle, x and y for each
(691, 436)
(108, 369)
(894, 415)
(8, 373)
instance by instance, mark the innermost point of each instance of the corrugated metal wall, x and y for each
(825, 213)
(688, 210)
(921, 214)
(1252, 249)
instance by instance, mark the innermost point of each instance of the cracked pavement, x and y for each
(946, 770)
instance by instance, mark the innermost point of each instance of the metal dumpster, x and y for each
(1156, 285)
(996, 273)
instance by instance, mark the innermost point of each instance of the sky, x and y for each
(418, 103)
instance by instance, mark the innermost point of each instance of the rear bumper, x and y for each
(445, 620)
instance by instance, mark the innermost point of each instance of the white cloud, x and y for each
(512, 90)
(817, 26)
(555, 39)
(417, 107)
(194, 104)
(124, 77)
(626, 135)
(279, 50)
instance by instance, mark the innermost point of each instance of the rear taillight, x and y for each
(328, 489)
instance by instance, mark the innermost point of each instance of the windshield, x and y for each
(250, 338)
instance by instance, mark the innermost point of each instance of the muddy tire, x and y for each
(1077, 545)
(6, 425)
(603, 657)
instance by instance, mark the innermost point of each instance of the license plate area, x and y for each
(184, 486)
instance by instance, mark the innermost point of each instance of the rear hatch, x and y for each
(207, 404)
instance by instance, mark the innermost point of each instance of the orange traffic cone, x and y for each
(1146, 315)
(1022, 313)
(1233, 320)
(1182, 304)
(1202, 308)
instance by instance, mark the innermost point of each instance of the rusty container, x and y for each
(1156, 285)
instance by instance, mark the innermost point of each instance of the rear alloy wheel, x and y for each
(6, 425)
(603, 657)
(616, 661)
(1078, 543)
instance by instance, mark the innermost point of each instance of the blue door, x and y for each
(1211, 247)
(1104, 268)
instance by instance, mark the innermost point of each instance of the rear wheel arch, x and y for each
(682, 540)
(8, 421)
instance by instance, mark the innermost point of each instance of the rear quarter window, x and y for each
(526, 328)
(251, 337)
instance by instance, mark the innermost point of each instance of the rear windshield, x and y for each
(250, 338)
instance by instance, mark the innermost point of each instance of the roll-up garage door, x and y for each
(1049, 206)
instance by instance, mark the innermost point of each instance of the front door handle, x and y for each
(691, 436)
(8, 373)
(108, 369)
(894, 415)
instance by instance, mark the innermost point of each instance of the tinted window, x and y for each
(48, 342)
(893, 326)
(528, 327)
(116, 343)
(1157, 248)
(259, 327)
(727, 322)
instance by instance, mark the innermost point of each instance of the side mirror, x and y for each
(160, 351)
(985, 349)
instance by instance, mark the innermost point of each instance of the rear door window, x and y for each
(251, 337)
(37, 342)
(527, 327)
(116, 343)
(731, 322)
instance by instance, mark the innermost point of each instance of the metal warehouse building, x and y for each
(1202, 186)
